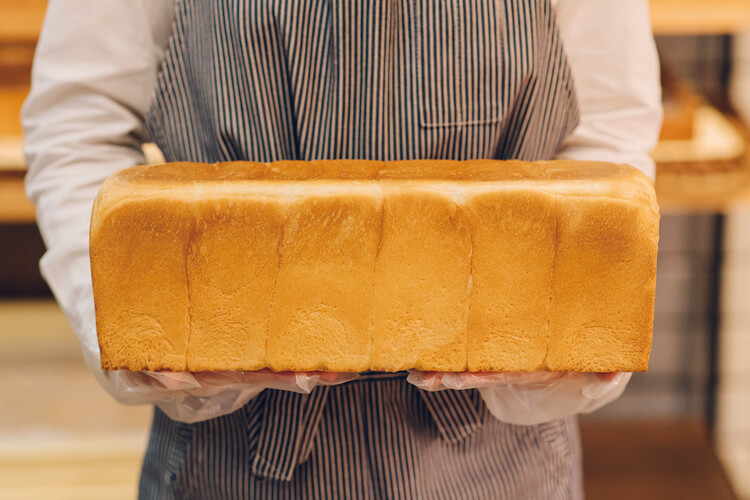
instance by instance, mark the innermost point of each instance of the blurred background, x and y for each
(682, 430)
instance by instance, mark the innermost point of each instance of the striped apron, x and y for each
(267, 80)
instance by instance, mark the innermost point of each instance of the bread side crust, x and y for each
(322, 304)
(513, 239)
(602, 305)
(232, 266)
(138, 244)
(171, 274)
(422, 281)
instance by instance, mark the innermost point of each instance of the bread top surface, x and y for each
(367, 170)
(284, 180)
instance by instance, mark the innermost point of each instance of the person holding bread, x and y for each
(265, 80)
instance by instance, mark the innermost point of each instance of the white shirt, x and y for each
(96, 65)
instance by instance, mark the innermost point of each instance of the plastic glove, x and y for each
(534, 397)
(194, 397)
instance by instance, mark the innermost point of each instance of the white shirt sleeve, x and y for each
(611, 51)
(94, 70)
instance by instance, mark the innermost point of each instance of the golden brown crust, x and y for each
(351, 265)
(140, 286)
(422, 283)
(231, 278)
(321, 311)
(604, 282)
(513, 235)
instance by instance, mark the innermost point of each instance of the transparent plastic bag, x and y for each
(534, 397)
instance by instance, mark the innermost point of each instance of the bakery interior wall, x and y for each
(732, 429)
(59, 428)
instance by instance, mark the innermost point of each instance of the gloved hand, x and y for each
(193, 397)
(533, 397)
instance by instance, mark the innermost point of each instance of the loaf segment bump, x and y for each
(422, 281)
(322, 304)
(513, 234)
(605, 276)
(141, 242)
(232, 263)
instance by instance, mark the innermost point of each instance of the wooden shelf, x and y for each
(709, 173)
(11, 100)
(15, 208)
(699, 17)
(21, 19)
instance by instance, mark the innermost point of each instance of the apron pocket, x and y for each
(458, 50)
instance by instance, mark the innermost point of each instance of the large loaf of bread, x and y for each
(361, 265)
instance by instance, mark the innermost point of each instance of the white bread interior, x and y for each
(354, 265)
